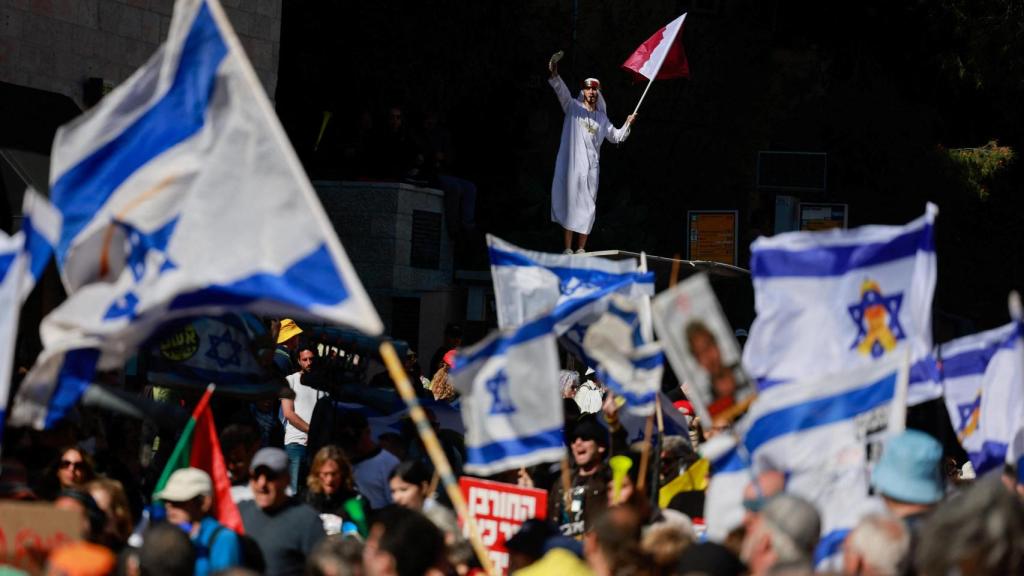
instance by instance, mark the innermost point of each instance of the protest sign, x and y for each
(499, 510)
(30, 530)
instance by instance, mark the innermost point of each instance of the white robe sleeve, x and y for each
(616, 135)
(562, 91)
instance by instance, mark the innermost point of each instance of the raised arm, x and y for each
(561, 90)
(616, 135)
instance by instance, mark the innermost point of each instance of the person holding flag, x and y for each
(188, 497)
(586, 125)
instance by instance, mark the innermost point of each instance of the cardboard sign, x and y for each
(30, 530)
(499, 510)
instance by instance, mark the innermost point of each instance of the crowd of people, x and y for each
(319, 492)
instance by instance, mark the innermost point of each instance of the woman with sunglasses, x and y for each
(73, 469)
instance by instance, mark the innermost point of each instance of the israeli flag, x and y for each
(23, 258)
(983, 377)
(825, 434)
(511, 404)
(625, 363)
(730, 475)
(836, 300)
(572, 290)
(181, 195)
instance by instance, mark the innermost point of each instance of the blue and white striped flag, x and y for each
(181, 195)
(730, 474)
(625, 363)
(572, 290)
(825, 434)
(511, 404)
(983, 378)
(23, 257)
(832, 301)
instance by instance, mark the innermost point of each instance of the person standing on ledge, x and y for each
(586, 125)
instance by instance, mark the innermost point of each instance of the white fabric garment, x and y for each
(574, 188)
(305, 400)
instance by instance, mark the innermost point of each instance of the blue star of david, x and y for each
(966, 410)
(892, 306)
(140, 244)
(122, 307)
(497, 386)
(235, 348)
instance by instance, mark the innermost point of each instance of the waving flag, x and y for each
(824, 434)
(625, 363)
(510, 399)
(983, 378)
(572, 290)
(181, 196)
(730, 474)
(23, 257)
(832, 301)
(661, 56)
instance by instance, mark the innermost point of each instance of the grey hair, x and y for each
(883, 542)
(981, 529)
(793, 524)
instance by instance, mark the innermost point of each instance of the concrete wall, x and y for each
(375, 223)
(55, 45)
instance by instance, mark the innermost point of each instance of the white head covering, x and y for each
(601, 105)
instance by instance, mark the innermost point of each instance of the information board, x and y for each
(822, 216)
(711, 235)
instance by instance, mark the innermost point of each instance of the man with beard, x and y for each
(588, 498)
(586, 126)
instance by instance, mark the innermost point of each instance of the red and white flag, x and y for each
(661, 56)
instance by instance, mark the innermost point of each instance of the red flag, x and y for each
(661, 56)
(199, 447)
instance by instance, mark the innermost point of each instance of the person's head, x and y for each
(410, 484)
(755, 496)
(710, 558)
(82, 504)
(306, 357)
(704, 348)
(588, 442)
(878, 546)
(786, 534)
(330, 472)
(166, 551)
(591, 88)
(981, 531)
(453, 336)
(909, 473)
(403, 542)
(239, 443)
(269, 478)
(395, 118)
(288, 334)
(336, 556)
(614, 543)
(74, 468)
(187, 496)
(110, 497)
(81, 559)
(528, 544)
(665, 541)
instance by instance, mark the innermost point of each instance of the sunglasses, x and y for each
(79, 465)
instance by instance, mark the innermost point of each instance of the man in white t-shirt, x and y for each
(297, 414)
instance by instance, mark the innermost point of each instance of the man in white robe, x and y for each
(586, 126)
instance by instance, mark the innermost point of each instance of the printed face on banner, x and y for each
(700, 346)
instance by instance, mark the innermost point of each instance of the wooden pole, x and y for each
(649, 82)
(434, 450)
(645, 455)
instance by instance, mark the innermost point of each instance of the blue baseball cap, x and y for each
(909, 470)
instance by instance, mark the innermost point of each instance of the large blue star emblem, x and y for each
(877, 339)
(965, 411)
(497, 387)
(218, 344)
(140, 244)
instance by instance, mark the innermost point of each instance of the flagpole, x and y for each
(434, 450)
(649, 82)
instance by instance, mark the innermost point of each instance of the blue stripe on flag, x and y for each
(731, 461)
(502, 449)
(80, 192)
(973, 362)
(6, 260)
(38, 247)
(565, 273)
(650, 362)
(76, 374)
(313, 280)
(819, 412)
(924, 370)
(992, 455)
(830, 545)
(839, 260)
(534, 329)
(766, 383)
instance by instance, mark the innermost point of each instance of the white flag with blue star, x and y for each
(511, 404)
(23, 258)
(181, 195)
(572, 289)
(835, 300)
(626, 364)
(983, 378)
